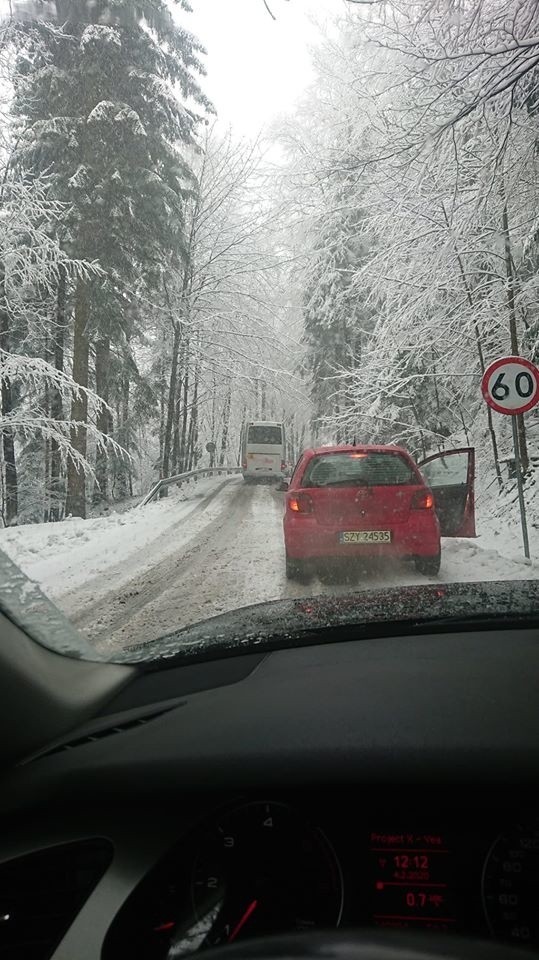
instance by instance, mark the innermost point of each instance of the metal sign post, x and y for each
(510, 386)
(520, 487)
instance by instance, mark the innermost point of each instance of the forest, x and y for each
(351, 271)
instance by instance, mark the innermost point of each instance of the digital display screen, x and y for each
(412, 880)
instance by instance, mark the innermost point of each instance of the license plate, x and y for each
(365, 536)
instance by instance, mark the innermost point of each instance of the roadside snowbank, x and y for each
(475, 561)
(63, 556)
(498, 518)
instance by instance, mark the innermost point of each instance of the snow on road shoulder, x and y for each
(67, 556)
(474, 561)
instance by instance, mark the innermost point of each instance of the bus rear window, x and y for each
(265, 434)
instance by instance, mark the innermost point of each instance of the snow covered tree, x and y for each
(441, 166)
(31, 262)
(218, 312)
(331, 241)
(105, 96)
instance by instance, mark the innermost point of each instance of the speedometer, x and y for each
(511, 885)
(262, 869)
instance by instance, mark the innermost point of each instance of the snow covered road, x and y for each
(209, 548)
(228, 554)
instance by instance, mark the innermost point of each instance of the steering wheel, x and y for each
(375, 945)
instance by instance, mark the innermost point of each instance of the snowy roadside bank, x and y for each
(67, 556)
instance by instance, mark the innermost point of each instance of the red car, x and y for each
(357, 501)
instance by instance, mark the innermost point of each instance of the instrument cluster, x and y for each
(266, 866)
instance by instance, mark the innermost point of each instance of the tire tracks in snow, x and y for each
(237, 560)
(119, 604)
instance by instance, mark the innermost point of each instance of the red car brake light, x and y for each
(301, 503)
(422, 500)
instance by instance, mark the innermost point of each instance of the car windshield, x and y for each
(377, 469)
(269, 286)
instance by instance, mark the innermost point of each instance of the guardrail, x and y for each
(182, 477)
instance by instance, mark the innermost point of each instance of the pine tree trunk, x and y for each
(11, 496)
(46, 444)
(76, 480)
(57, 409)
(190, 450)
(175, 458)
(301, 440)
(47, 472)
(185, 412)
(124, 476)
(162, 407)
(226, 423)
(339, 436)
(102, 387)
(193, 425)
(240, 450)
(213, 417)
(171, 403)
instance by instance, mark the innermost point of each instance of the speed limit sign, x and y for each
(511, 385)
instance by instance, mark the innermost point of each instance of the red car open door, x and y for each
(450, 475)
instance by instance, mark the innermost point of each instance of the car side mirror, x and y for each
(283, 485)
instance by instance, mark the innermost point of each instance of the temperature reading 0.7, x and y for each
(412, 880)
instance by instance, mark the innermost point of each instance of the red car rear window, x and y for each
(374, 469)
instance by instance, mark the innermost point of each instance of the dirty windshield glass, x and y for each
(238, 242)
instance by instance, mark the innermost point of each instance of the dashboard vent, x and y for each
(42, 893)
(100, 733)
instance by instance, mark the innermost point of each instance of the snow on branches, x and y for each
(33, 374)
(414, 177)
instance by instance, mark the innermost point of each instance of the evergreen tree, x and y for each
(337, 317)
(106, 98)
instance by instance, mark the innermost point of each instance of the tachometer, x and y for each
(511, 885)
(263, 869)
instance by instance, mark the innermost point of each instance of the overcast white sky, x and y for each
(257, 67)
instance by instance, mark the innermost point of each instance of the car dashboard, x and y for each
(388, 783)
(265, 864)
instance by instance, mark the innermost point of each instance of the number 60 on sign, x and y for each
(511, 385)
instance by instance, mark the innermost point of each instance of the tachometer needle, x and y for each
(241, 923)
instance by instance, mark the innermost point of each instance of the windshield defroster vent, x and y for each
(42, 893)
(100, 733)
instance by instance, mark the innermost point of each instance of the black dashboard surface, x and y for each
(433, 709)
(403, 745)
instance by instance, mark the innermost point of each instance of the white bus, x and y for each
(263, 450)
